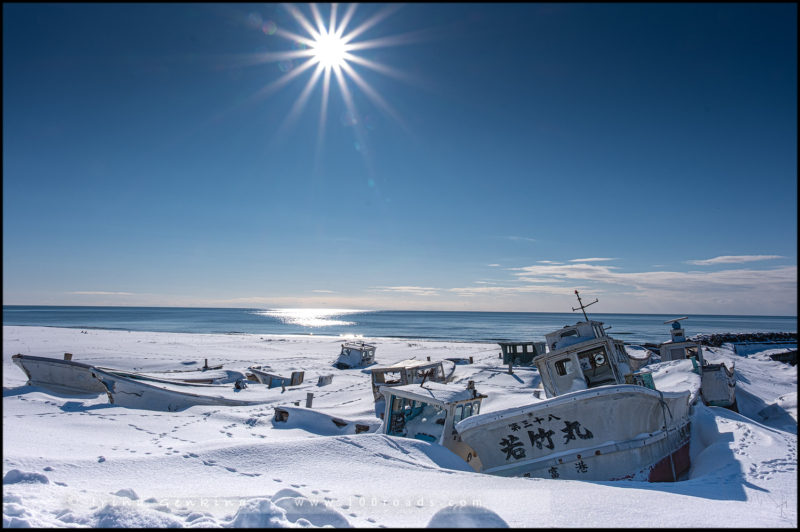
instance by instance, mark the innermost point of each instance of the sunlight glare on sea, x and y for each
(310, 317)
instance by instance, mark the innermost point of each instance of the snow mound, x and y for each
(316, 513)
(260, 513)
(128, 493)
(782, 413)
(111, 516)
(466, 517)
(16, 476)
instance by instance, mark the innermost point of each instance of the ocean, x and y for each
(489, 327)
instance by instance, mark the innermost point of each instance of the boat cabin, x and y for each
(718, 381)
(521, 353)
(581, 356)
(679, 348)
(430, 411)
(355, 354)
(406, 372)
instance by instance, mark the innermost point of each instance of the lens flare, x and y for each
(325, 47)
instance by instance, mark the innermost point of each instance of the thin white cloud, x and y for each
(508, 290)
(413, 290)
(100, 293)
(759, 284)
(494, 265)
(520, 238)
(323, 291)
(593, 259)
(733, 259)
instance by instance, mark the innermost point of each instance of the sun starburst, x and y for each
(328, 50)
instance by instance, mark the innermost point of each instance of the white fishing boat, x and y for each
(429, 412)
(410, 371)
(59, 375)
(599, 421)
(135, 390)
(718, 381)
(355, 354)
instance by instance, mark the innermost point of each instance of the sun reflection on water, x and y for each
(310, 317)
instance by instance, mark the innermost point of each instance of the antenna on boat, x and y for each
(582, 306)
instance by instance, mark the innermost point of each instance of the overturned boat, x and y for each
(718, 381)
(600, 420)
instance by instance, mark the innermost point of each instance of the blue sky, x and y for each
(490, 157)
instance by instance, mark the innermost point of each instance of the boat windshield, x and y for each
(416, 419)
(466, 410)
(596, 368)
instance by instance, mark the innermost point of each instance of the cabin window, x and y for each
(677, 353)
(476, 408)
(596, 367)
(564, 366)
(466, 410)
(569, 333)
(388, 377)
(622, 355)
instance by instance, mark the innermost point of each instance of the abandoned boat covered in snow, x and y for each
(355, 354)
(429, 411)
(592, 426)
(59, 375)
(410, 371)
(718, 381)
(262, 374)
(134, 390)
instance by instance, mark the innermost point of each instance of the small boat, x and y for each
(410, 371)
(272, 380)
(134, 390)
(718, 381)
(592, 425)
(520, 353)
(206, 377)
(320, 423)
(355, 354)
(429, 412)
(64, 376)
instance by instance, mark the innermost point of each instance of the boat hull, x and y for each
(158, 394)
(718, 385)
(606, 433)
(58, 375)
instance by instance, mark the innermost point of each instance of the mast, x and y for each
(582, 306)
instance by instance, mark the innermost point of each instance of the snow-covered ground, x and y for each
(77, 461)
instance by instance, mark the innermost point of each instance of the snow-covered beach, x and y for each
(78, 461)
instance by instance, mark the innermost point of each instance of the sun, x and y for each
(329, 50)
(331, 53)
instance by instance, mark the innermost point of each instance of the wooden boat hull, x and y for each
(170, 396)
(59, 375)
(606, 433)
